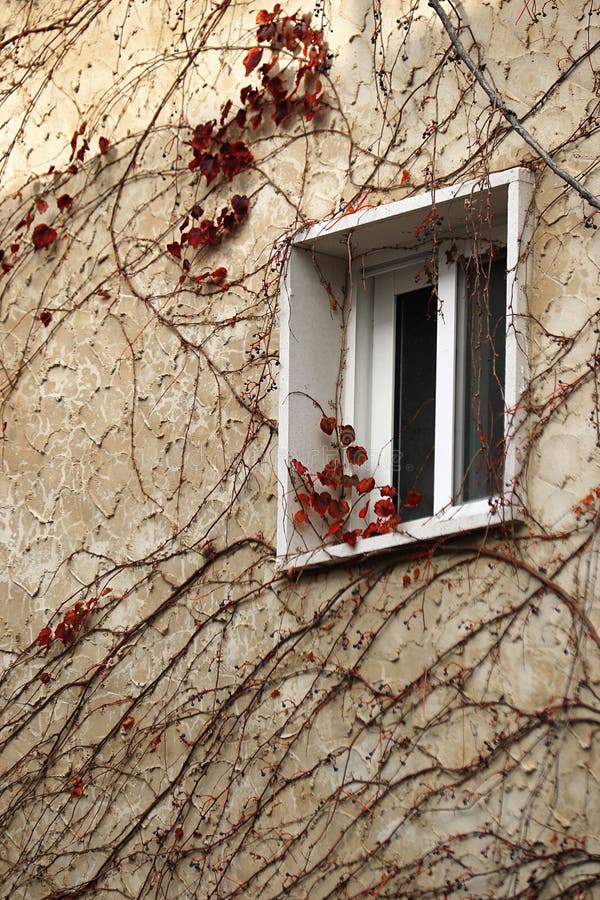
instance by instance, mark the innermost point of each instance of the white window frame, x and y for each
(337, 347)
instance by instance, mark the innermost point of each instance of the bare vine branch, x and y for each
(508, 113)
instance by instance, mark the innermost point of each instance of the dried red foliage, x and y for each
(384, 508)
(328, 424)
(346, 435)
(64, 201)
(217, 152)
(43, 236)
(67, 629)
(337, 506)
(357, 455)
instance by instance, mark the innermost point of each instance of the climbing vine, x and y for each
(181, 714)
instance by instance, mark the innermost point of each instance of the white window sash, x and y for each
(445, 381)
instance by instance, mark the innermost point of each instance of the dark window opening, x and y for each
(414, 400)
(480, 364)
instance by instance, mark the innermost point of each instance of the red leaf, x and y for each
(263, 17)
(327, 424)
(73, 170)
(357, 456)
(73, 144)
(45, 637)
(351, 537)
(252, 59)
(388, 491)
(209, 166)
(202, 135)
(77, 790)
(347, 435)
(226, 220)
(219, 275)
(205, 233)
(406, 580)
(234, 158)
(320, 502)
(299, 467)
(405, 177)
(250, 96)
(41, 206)
(104, 144)
(175, 249)
(64, 201)
(338, 509)
(156, 741)
(43, 235)
(64, 633)
(384, 508)
(300, 517)
(196, 237)
(45, 317)
(334, 527)
(240, 205)
(45, 677)
(196, 211)
(275, 693)
(128, 723)
(365, 485)
(83, 150)
(413, 498)
(363, 512)
(225, 110)
(331, 474)
(266, 32)
(311, 102)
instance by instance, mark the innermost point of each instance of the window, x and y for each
(406, 320)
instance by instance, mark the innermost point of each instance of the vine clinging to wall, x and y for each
(178, 717)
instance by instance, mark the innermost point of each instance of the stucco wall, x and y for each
(423, 723)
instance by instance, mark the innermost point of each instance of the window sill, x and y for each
(453, 522)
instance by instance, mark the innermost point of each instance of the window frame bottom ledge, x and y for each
(452, 522)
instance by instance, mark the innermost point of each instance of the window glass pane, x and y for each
(414, 399)
(481, 338)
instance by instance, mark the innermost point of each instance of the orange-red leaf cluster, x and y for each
(336, 506)
(67, 629)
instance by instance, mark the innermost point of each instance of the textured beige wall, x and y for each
(337, 732)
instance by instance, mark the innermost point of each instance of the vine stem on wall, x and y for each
(508, 114)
